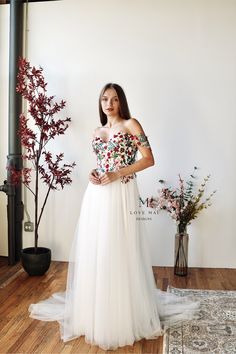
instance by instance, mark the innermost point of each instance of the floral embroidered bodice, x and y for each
(119, 151)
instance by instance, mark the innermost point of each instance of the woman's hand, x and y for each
(109, 177)
(94, 177)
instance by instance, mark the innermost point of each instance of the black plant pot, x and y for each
(36, 263)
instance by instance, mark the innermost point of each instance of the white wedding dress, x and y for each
(111, 296)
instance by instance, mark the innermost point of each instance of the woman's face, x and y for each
(110, 102)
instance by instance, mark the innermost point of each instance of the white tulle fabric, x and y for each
(111, 296)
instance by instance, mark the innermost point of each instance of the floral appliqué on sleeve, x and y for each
(142, 140)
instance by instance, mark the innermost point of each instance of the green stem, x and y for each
(177, 259)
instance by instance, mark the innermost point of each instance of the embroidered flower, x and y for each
(119, 151)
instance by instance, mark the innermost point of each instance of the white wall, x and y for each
(176, 62)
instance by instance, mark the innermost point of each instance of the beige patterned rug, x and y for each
(214, 332)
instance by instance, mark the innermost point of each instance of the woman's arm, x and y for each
(93, 175)
(147, 159)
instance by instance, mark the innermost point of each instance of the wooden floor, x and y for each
(8, 272)
(21, 334)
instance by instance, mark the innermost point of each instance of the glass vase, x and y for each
(181, 252)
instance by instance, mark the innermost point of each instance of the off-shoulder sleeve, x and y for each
(142, 140)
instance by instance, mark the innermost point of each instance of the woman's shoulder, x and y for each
(97, 131)
(133, 125)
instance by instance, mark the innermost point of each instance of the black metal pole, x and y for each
(15, 205)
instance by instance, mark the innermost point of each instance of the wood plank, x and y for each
(7, 272)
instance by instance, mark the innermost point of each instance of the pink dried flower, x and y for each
(182, 203)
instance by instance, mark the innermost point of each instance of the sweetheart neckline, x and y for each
(112, 136)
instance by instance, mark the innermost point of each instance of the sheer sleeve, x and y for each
(142, 140)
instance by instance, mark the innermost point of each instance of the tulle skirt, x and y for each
(111, 296)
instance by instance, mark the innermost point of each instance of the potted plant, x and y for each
(37, 129)
(183, 204)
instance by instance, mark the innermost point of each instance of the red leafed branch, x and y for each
(35, 132)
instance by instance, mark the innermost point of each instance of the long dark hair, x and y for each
(124, 108)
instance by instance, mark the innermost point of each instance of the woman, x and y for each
(115, 118)
(111, 296)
